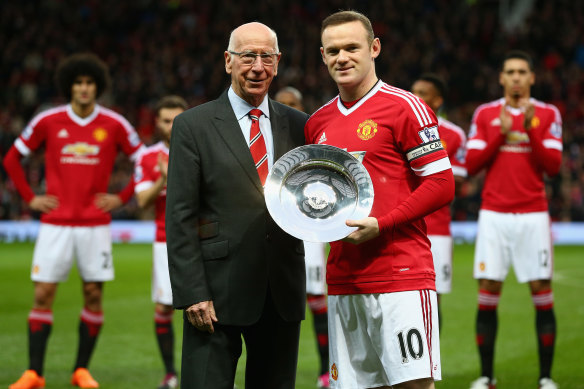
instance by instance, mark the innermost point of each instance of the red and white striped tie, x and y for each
(257, 145)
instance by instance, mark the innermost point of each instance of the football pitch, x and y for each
(127, 356)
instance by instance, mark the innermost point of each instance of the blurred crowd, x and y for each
(159, 47)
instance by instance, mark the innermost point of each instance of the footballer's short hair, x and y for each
(82, 64)
(437, 81)
(343, 17)
(171, 101)
(518, 54)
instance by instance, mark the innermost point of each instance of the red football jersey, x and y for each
(79, 158)
(514, 180)
(395, 135)
(146, 173)
(453, 139)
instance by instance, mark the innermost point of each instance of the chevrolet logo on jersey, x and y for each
(367, 129)
(80, 149)
(516, 137)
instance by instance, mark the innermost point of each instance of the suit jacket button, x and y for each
(267, 236)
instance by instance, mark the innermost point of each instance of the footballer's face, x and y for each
(349, 58)
(428, 92)
(83, 91)
(252, 81)
(516, 78)
(164, 122)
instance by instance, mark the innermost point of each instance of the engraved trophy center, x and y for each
(319, 199)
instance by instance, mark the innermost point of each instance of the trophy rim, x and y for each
(320, 157)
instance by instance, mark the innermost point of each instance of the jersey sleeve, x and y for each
(458, 157)
(547, 144)
(143, 178)
(130, 142)
(417, 133)
(479, 149)
(32, 137)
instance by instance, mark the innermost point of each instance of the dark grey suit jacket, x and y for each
(222, 243)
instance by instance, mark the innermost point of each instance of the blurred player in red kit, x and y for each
(383, 320)
(81, 142)
(315, 260)
(431, 88)
(518, 140)
(150, 180)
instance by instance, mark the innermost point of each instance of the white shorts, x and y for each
(519, 239)
(442, 254)
(315, 259)
(161, 290)
(57, 246)
(383, 339)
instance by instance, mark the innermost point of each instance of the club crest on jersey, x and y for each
(429, 134)
(367, 129)
(80, 149)
(334, 372)
(535, 122)
(99, 134)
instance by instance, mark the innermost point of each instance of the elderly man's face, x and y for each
(251, 82)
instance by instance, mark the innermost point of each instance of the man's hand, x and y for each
(202, 316)
(44, 203)
(367, 229)
(506, 120)
(163, 166)
(528, 112)
(107, 201)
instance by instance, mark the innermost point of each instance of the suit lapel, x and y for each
(229, 130)
(279, 130)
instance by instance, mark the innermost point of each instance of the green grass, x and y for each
(127, 355)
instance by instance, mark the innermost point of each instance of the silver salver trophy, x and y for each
(312, 190)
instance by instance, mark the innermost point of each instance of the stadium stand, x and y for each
(155, 48)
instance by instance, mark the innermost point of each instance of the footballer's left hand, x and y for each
(107, 201)
(367, 228)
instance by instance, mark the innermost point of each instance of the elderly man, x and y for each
(233, 270)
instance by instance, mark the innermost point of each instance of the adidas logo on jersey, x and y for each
(322, 138)
(496, 122)
(63, 133)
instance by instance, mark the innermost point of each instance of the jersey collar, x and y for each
(83, 121)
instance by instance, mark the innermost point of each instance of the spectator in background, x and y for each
(315, 259)
(518, 140)
(431, 88)
(150, 187)
(81, 142)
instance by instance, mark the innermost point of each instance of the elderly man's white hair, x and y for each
(231, 46)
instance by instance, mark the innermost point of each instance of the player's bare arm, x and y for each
(107, 201)
(367, 229)
(202, 316)
(44, 203)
